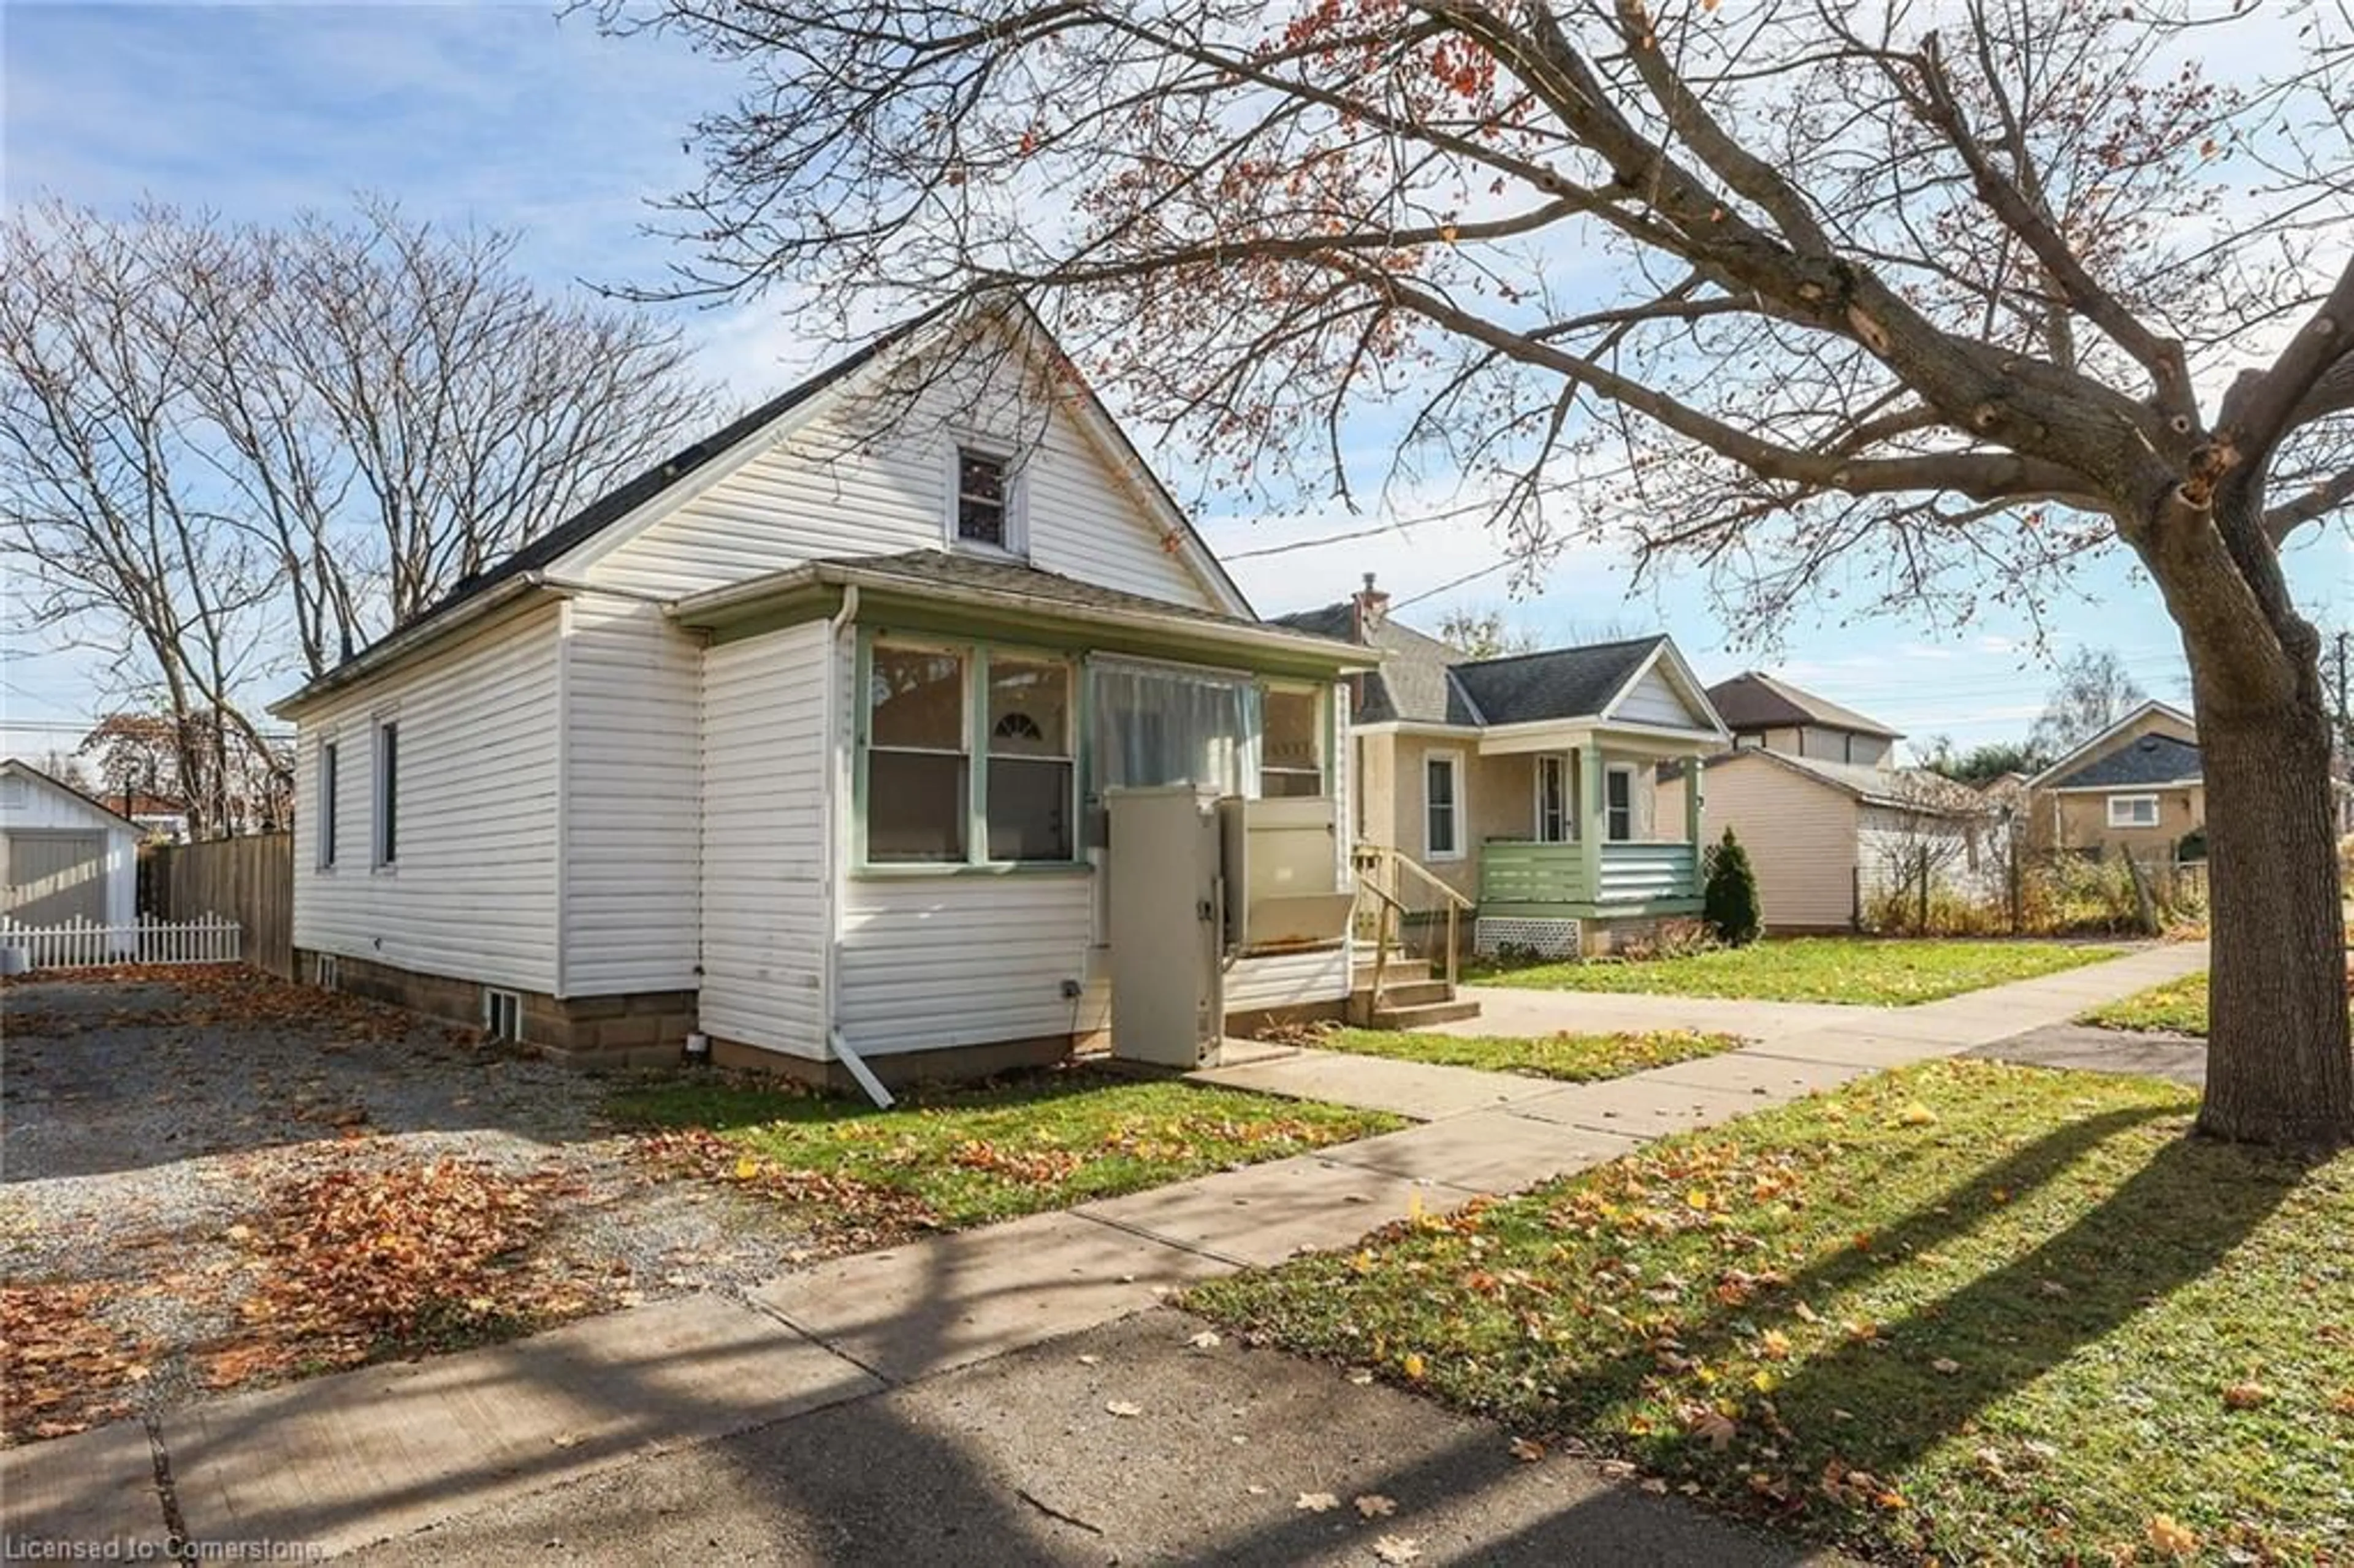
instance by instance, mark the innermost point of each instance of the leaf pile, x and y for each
(357, 1262)
(848, 1214)
(224, 996)
(62, 1370)
(1963, 1312)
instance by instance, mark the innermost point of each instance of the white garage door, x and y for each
(53, 878)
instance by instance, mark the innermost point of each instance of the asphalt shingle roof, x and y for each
(2151, 760)
(1558, 684)
(941, 568)
(1754, 700)
(1412, 684)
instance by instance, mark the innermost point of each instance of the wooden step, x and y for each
(1396, 972)
(1406, 993)
(1425, 1014)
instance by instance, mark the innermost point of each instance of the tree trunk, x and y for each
(2279, 1066)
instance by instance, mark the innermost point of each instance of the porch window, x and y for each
(1162, 726)
(1442, 806)
(1618, 803)
(1292, 742)
(1553, 799)
(2133, 810)
(918, 802)
(1030, 769)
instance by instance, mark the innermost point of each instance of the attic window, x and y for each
(982, 504)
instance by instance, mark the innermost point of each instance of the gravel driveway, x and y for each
(145, 1124)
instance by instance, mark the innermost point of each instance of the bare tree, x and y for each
(1484, 633)
(233, 453)
(2092, 690)
(1889, 305)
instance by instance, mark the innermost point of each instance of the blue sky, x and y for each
(507, 114)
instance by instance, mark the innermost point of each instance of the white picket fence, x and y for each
(84, 944)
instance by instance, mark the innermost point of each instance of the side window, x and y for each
(388, 792)
(326, 805)
(1618, 803)
(1442, 806)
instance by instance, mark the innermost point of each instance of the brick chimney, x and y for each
(1372, 607)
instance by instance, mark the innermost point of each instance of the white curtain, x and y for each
(1154, 725)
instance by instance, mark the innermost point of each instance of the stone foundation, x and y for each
(642, 1029)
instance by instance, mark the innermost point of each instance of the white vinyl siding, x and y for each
(1287, 979)
(474, 893)
(931, 962)
(832, 489)
(632, 758)
(55, 847)
(765, 763)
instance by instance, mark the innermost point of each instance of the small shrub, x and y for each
(1730, 904)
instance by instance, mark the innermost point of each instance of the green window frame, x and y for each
(1015, 738)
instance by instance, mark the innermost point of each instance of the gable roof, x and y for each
(1905, 789)
(1416, 684)
(2153, 759)
(1557, 684)
(2067, 761)
(1754, 700)
(26, 769)
(517, 570)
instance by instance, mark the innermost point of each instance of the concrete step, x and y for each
(1425, 1014)
(1408, 993)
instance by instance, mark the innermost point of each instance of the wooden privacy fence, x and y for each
(85, 944)
(248, 880)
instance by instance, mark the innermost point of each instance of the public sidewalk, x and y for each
(342, 1461)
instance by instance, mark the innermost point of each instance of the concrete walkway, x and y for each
(342, 1461)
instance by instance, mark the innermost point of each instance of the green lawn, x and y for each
(2178, 1007)
(1965, 1311)
(1856, 969)
(1579, 1058)
(952, 1157)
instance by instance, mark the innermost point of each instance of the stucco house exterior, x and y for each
(2135, 788)
(800, 742)
(64, 856)
(1526, 783)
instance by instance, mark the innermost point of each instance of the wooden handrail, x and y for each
(1385, 862)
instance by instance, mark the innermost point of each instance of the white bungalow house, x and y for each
(802, 743)
(1526, 784)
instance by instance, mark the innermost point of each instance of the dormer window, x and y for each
(983, 509)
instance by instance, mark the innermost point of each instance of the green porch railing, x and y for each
(1516, 872)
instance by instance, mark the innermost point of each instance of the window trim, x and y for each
(1559, 761)
(2156, 809)
(1621, 770)
(384, 792)
(1320, 696)
(495, 1001)
(975, 655)
(329, 774)
(1015, 545)
(1456, 814)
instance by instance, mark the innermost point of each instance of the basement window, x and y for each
(502, 1014)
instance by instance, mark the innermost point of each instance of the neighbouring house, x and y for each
(1770, 714)
(1526, 783)
(810, 743)
(1830, 842)
(2135, 788)
(64, 856)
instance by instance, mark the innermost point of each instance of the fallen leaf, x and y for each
(1090, 1361)
(1395, 1549)
(1414, 1365)
(2246, 1395)
(1946, 1365)
(1316, 1502)
(1773, 1344)
(1528, 1450)
(1122, 1407)
(2169, 1538)
(1207, 1339)
(1916, 1115)
(1372, 1505)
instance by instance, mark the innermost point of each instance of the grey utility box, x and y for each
(1167, 896)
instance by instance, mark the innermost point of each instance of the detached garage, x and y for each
(63, 857)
